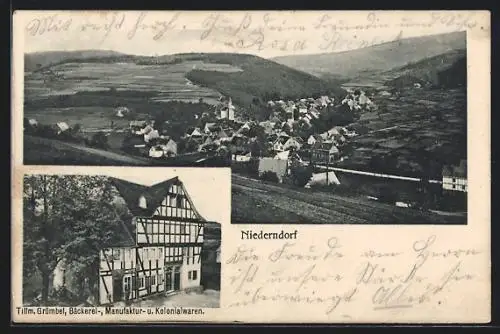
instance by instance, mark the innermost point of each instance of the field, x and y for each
(167, 81)
(53, 152)
(433, 120)
(91, 118)
(259, 202)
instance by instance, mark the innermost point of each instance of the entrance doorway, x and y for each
(117, 288)
(172, 279)
(177, 279)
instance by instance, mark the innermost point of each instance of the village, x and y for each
(289, 129)
(299, 141)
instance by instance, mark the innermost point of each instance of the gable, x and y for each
(177, 203)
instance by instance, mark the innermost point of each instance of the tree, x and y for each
(68, 218)
(300, 174)
(99, 139)
(270, 176)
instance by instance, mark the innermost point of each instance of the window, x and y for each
(160, 279)
(142, 202)
(116, 254)
(141, 283)
(192, 275)
(160, 252)
(127, 284)
(183, 229)
(179, 201)
(153, 280)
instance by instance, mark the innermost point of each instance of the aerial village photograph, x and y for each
(98, 240)
(373, 134)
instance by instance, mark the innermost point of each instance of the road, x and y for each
(255, 201)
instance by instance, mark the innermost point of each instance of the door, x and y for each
(169, 280)
(117, 288)
(177, 279)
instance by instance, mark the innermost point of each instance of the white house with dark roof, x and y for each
(455, 177)
(166, 256)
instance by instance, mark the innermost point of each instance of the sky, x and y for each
(201, 184)
(209, 188)
(266, 34)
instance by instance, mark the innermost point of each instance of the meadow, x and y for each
(168, 82)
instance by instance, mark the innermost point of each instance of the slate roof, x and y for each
(131, 192)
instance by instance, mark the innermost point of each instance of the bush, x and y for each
(269, 176)
(250, 168)
(99, 140)
(301, 175)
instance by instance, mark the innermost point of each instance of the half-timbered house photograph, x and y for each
(123, 240)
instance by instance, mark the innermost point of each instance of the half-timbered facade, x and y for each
(169, 240)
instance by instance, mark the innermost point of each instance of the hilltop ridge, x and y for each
(376, 58)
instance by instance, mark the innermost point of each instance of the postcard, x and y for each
(251, 167)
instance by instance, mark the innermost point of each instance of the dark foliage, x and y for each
(269, 176)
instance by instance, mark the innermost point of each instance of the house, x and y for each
(290, 113)
(323, 179)
(156, 151)
(151, 135)
(312, 140)
(121, 111)
(303, 110)
(340, 139)
(279, 143)
(245, 127)
(334, 131)
(137, 125)
(208, 143)
(455, 177)
(292, 143)
(325, 152)
(288, 156)
(268, 126)
(277, 166)
(209, 127)
(166, 257)
(196, 133)
(170, 148)
(364, 100)
(61, 127)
